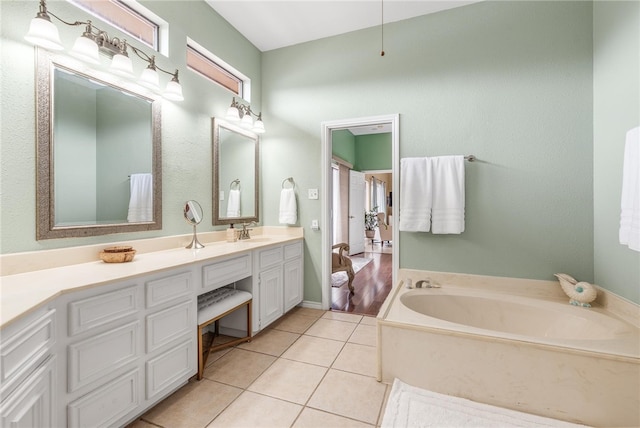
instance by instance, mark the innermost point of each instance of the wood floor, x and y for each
(372, 284)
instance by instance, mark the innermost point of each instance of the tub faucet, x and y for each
(426, 283)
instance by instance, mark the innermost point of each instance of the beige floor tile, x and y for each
(194, 405)
(331, 329)
(289, 380)
(365, 335)
(342, 316)
(387, 393)
(367, 320)
(350, 395)
(355, 358)
(314, 350)
(312, 418)
(270, 341)
(139, 423)
(257, 411)
(294, 323)
(308, 312)
(239, 367)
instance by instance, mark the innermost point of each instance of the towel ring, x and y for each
(290, 180)
(236, 182)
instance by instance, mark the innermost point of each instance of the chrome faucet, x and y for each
(244, 233)
(426, 283)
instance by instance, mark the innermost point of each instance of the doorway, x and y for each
(392, 123)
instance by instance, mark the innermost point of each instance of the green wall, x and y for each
(616, 109)
(344, 145)
(373, 152)
(510, 82)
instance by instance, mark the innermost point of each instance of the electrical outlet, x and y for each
(313, 193)
(314, 225)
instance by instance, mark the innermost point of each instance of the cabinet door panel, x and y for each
(107, 405)
(170, 368)
(270, 257)
(270, 296)
(166, 289)
(98, 310)
(170, 324)
(21, 350)
(292, 284)
(101, 355)
(31, 404)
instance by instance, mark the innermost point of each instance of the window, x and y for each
(213, 68)
(130, 18)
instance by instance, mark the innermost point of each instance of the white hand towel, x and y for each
(447, 211)
(233, 203)
(141, 198)
(629, 233)
(415, 195)
(288, 208)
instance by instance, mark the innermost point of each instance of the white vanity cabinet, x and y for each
(293, 275)
(126, 348)
(28, 371)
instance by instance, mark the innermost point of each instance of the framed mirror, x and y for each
(99, 168)
(235, 174)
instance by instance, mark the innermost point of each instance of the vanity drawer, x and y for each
(292, 250)
(225, 272)
(163, 290)
(95, 311)
(24, 345)
(270, 257)
(107, 405)
(101, 355)
(170, 324)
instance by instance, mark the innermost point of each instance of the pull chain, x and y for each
(382, 28)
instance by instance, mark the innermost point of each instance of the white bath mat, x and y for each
(413, 407)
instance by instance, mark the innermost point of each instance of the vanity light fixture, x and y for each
(43, 33)
(242, 113)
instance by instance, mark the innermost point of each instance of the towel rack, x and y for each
(236, 182)
(470, 158)
(290, 180)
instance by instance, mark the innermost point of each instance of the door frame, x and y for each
(326, 201)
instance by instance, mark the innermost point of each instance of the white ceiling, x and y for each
(271, 24)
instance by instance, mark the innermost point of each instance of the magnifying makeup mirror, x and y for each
(193, 216)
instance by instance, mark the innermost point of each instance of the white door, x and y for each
(356, 212)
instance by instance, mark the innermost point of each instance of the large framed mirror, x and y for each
(99, 167)
(235, 174)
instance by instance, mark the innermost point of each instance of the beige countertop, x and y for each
(26, 290)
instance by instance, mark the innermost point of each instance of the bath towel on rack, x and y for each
(629, 233)
(415, 195)
(288, 207)
(233, 203)
(447, 208)
(141, 198)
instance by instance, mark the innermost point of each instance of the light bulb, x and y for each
(258, 127)
(43, 33)
(173, 91)
(150, 79)
(232, 114)
(246, 121)
(86, 50)
(122, 66)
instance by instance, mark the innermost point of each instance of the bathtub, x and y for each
(514, 343)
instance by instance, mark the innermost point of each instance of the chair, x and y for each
(385, 230)
(212, 307)
(342, 263)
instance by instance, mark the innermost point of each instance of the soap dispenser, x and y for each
(231, 234)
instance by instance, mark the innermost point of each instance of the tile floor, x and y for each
(311, 368)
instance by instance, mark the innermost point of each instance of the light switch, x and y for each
(314, 225)
(222, 195)
(313, 193)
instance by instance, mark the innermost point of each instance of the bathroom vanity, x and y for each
(97, 344)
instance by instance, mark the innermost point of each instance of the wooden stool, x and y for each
(211, 307)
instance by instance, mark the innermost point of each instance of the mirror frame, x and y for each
(45, 197)
(216, 219)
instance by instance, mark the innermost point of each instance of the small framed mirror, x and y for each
(193, 216)
(99, 167)
(235, 174)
